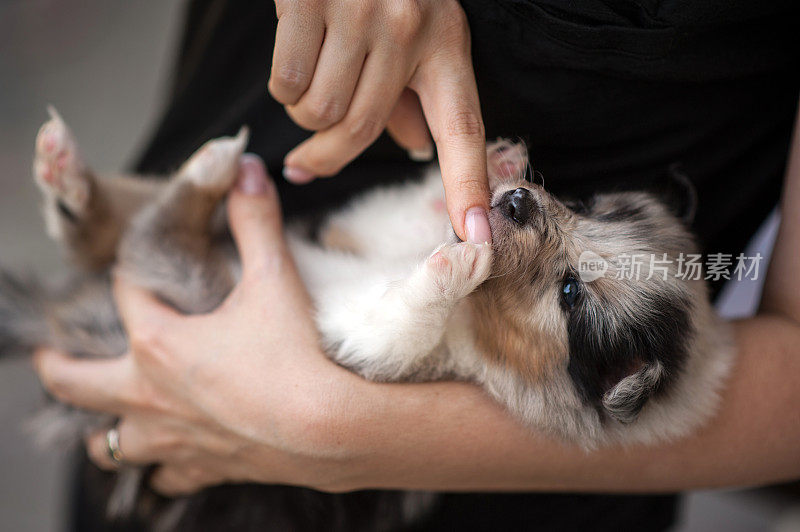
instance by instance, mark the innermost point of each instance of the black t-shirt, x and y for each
(606, 93)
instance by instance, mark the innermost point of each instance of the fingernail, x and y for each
(477, 226)
(421, 155)
(253, 179)
(297, 175)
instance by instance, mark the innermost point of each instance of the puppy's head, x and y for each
(589, 291)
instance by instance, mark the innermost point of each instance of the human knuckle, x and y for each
(142, 342)
(146, 340)
(364, 129)
(404, 20)
(326, 111)
(268, 267)
(360, 12)
(453, 27)
(289, 76)
(464, 123)
(452, 12)
(254, 218)
(471, 186)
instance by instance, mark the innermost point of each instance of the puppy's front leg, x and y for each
(389, 334)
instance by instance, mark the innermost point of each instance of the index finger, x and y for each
(97, 385)
(449, 98)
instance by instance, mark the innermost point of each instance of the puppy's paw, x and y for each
(215, 165)
(458, 269)
(58, 167)
(506, 161)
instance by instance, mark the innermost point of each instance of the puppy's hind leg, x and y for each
(74, 215)
(60, 172)
(170, 246)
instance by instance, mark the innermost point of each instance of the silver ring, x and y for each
(112, 446)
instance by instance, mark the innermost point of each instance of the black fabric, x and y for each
(606, 93)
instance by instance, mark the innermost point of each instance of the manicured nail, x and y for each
(297, 175)
(253, 178)
(421, 155)
(477, 226)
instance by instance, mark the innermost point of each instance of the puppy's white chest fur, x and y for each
(389, 282)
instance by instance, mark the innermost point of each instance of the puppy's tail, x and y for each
(22, 318)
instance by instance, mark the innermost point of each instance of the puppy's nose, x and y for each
(518, 205)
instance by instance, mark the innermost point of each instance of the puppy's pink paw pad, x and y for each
(506, 161)
(458, 269)
(57, 166)
(439, 262)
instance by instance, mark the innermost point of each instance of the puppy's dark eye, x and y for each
(570, 291)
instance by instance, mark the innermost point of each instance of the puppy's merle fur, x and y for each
(621, 359)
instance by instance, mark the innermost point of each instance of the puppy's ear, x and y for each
(625, 400)
(679, 193)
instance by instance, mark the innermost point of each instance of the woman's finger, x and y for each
(331, 90)
(254, 214)
(138, 307)
(449, 97)
(327, 152)
(408, 128)
(146, 319)
(98, 385)
(98, 452)
(297, 45)
(97, 448)
(141, 441)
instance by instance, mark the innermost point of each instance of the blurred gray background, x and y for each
(105, 65)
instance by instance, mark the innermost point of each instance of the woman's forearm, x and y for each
(451, 436)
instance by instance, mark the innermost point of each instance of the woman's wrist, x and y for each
(318, 433)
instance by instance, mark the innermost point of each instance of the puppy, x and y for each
(614, 358)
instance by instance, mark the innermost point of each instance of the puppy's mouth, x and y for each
(517, 215)
(516, 208)
(519, 205)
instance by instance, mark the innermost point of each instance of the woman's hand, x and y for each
(241, 394)
(350, 68)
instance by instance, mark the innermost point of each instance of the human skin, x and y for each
(245, 394)
(348, 69)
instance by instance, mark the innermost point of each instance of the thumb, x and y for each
(254, 215)
(408, 128)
